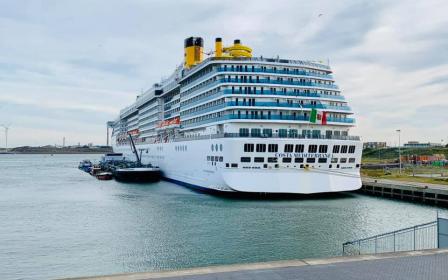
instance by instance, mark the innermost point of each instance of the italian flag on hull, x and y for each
(318, 117)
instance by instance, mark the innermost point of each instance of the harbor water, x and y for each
(57, 221)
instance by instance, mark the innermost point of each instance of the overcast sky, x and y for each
(67, 67)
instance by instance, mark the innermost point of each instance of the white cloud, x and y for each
(67, 67)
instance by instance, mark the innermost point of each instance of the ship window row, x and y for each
(264, 91)
(298, 148)
(253, 68)
(146, 110)
(210, 117)
(180, 148)
(343, 149)
(197, 75)
(201, 96)
(214, 147)
(279, 89)
(149, 124)
(215, 158)
(275, 69)
(282, 101)
(268, 79)
(203, 107)
(295, 160)
(199, 86)
(170, 104)
(258, 79)
(288, 133)
(143, 120)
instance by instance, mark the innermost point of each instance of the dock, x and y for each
(413, 191)
(428, 264)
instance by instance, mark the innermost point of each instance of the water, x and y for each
(56, 221)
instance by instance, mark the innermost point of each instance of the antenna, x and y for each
(6, 127)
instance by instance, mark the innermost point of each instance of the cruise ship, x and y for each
(233, 122)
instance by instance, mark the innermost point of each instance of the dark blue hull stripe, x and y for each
(191, 186)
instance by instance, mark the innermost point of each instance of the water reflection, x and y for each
(59, 222)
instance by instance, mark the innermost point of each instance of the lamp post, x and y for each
(399, 147)
(6, 127)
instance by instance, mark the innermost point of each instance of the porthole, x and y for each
(213, 147)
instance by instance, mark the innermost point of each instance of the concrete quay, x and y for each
(413, 191)
(428, 264)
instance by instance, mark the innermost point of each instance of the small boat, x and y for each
(104, 176)
(137, 174)
(94, 170)
(85, 165)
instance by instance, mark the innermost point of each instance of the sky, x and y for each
(68, 67)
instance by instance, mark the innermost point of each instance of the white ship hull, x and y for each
(187, 163)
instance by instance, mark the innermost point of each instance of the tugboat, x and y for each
(136, 172)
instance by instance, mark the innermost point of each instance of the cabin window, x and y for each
(343, 149)
(244, 132)
(272, 148)
(245, 159)
(289, 148)
(298, 160)
(272, 159)
(343, 160)
(235, 165)
(261, 148)
(310, 160)
(351, 149)
(312, 148)
(334, 160)
(258, 159)
(323, 149)
(255, 132)
(293, 133)
(286, 160)
(322, 160)
(267, 132)
(336, 149)
(248, 148)
(351, 160)
(282, 132)
(300, 148)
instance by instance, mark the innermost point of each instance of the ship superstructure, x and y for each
(234, 122)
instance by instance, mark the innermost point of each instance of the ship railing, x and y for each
(259, 70)
(265, 92)
(262, 59)
(270, 135)
(419, 237)
(267, 117)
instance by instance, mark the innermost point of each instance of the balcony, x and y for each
(259, 70)
(277, 82)
(265, 117)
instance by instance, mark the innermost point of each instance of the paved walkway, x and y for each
(424, 265)
(405, 183)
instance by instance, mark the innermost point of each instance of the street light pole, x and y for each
(6, 127)
(399, 147)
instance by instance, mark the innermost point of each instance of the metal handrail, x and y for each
(367, 243)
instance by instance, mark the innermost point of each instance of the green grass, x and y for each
(407, 175)
(388, 155)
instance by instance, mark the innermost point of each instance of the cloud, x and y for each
(68, 67)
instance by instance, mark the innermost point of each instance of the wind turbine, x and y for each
(6, 127)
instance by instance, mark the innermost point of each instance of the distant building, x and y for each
(374, 145)
(416, 144)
